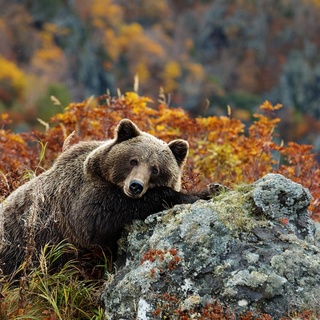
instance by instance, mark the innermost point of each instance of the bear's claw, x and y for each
(215, 189)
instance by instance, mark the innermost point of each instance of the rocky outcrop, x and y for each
(251, 249)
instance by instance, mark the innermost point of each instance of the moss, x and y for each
(235, 208)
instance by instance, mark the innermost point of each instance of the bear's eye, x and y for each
(154, 170)
(133, 162)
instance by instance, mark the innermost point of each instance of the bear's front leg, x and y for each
(161, 198)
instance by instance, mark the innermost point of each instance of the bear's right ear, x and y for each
(126, 130)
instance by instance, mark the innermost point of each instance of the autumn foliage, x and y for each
(222, 149)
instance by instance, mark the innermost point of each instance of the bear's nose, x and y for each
(136, 187)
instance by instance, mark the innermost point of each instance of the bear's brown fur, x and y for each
(93, 190)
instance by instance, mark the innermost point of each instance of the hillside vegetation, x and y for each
(237, 52)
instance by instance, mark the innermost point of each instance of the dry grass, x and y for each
(65, 294)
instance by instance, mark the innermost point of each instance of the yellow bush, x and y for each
(12, 76)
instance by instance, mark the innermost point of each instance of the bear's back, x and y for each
(67, 173)
(78, 152)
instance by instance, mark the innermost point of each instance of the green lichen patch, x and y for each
(236, 209)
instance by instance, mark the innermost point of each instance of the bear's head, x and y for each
(136, 161)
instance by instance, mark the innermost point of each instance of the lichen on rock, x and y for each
(283, 200)
(253, 249)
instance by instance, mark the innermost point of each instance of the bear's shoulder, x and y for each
(78, 152)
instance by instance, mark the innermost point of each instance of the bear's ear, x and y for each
(126, 130)
(180, 150)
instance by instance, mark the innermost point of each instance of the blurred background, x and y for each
(204, 55)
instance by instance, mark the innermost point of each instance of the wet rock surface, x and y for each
(254, 249)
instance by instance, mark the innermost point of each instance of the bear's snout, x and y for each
(136, 187)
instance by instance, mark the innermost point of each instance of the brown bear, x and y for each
(93, 189)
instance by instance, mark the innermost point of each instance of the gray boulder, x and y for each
(250, 249)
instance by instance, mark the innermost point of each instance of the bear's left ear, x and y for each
(180, 150)
(126, 130)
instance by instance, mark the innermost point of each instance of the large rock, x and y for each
(252, 249)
